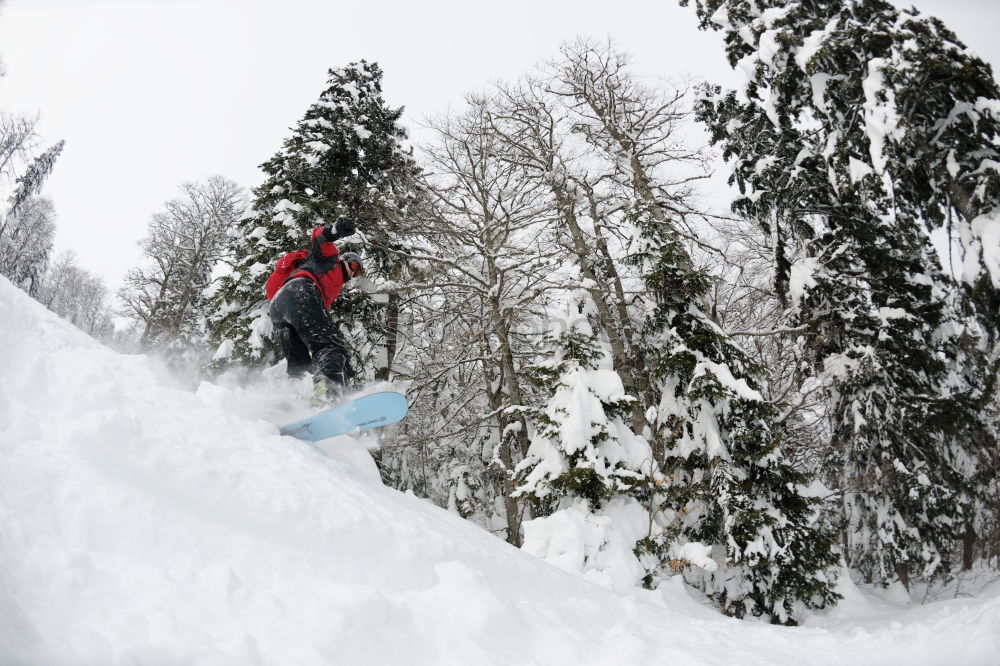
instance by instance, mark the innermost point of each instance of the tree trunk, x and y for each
(637, 365)
(622, 361)
(968, 547)
(155, 306)
(392, 308)
(506, 469)
(903, 572)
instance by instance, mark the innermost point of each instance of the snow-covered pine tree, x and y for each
(26, 244)
(586, 475)
(345, 157)
(860, 131)
(731, 487)
(26, 214)
(30, 182)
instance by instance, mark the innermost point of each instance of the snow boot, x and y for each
(318, 398)
(328, 391)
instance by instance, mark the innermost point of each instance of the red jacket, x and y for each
(323, 266)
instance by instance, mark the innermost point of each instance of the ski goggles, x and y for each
(354, 268)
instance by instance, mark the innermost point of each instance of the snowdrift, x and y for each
(144, 524)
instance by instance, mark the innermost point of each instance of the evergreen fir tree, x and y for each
(586, 472)
(860, 130)
(30, 182)
(345, 158)
(730, 486)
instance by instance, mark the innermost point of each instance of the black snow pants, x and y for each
(308, 336)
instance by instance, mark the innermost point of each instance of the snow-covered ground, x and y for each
(144, 524)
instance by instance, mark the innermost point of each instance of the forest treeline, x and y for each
(606, 369)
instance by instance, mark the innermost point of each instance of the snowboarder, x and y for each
(301, 289)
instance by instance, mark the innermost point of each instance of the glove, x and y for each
(345, 227)
(342, 228)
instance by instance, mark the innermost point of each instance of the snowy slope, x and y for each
(143, 524)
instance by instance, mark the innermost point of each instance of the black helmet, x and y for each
(354, 264)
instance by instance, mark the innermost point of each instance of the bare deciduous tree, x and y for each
(78, 296)
(184, 242)
(486, 226)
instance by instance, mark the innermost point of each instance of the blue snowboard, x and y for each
(370, 411)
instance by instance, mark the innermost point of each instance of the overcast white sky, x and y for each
(151, 93)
